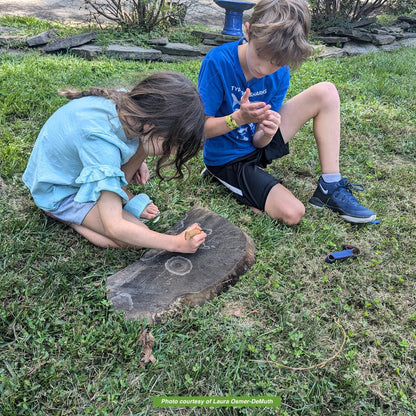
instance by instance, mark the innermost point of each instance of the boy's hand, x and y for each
(270, 123)
(266, 129)
(251, 112)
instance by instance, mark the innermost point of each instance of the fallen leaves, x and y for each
(147, 340)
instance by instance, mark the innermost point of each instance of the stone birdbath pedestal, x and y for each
(233, 15)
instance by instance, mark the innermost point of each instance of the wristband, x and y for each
(230, 122)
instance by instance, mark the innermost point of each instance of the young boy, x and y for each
(243, 85)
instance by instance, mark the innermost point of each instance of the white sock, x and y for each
(331, 177)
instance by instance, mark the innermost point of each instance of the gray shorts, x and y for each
(72, 211)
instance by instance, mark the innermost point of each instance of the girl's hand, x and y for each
(191, 245)
(142, 174)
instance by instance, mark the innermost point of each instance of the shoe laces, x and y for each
(354, 187)
(346, 188)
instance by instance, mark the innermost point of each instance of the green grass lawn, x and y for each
(65, 351)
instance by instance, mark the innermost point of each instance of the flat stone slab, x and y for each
(355, 48)
(70, 42)
(134, 53)
(88, 52)
(42, 38)
(180, 49)
(163, 281)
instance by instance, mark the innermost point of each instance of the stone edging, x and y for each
(367, 36)
(354, 41)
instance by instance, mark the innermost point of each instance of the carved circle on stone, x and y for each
(178, 265)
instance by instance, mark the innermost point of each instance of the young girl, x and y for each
(92, 147)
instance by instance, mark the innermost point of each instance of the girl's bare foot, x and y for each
(150, 212)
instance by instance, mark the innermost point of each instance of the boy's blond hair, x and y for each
(279, 29)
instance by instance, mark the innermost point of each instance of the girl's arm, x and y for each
(134, 163)
(120, 227)
(135, 169)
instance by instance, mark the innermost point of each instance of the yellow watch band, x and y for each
(230, 122)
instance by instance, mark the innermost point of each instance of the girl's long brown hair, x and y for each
(165, 104)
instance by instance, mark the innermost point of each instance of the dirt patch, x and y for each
(204, 12)
(66, 11)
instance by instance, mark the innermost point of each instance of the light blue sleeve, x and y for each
(102, 157)
(94, 179)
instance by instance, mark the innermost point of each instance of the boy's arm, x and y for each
(217, 126)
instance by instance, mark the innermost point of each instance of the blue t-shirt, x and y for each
(80, 151)
(221, 84)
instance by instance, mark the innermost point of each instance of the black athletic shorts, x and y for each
(245, 176)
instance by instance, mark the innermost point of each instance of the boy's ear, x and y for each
(246, 29)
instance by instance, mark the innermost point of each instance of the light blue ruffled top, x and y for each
(79, 150)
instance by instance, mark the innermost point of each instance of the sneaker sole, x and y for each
(356, 220)
(317, 203)
(204, 173)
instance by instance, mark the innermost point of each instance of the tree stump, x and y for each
(161, 281)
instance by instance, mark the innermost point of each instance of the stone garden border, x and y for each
(361, 37)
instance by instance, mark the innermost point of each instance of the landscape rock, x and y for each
(409, 42)
(333, 52)
(70, 42)
(332, 40)
(362, 35)
(408, 19)
(379, 40)
(134, 53)
(180, 49)
(391, 46)
(88, 52)
(364, 22)
(42, 38)
(355, 48)
(159, 41)
(7, 29)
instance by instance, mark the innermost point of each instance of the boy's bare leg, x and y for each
(282, 204)
(320, 103)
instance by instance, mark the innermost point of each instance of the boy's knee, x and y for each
(292, 215)
(295, 216)
(328, 92)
